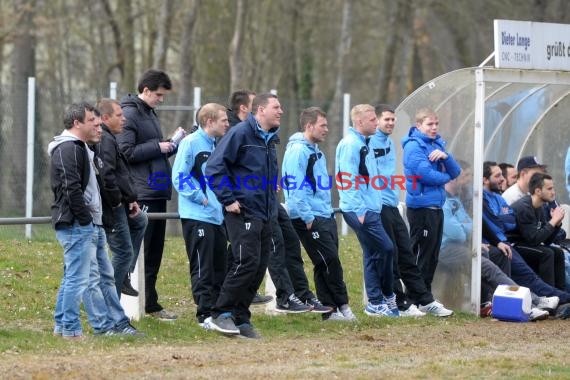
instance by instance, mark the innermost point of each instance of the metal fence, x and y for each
(31, 119)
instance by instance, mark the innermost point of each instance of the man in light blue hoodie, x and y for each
(428, 167)
(307, 193)
(405, 266)
(361, 202)
(200, 212)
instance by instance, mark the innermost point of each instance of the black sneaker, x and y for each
(260, 299)
(317, 306)
(246, 330)
(127, 288)
(293, 305)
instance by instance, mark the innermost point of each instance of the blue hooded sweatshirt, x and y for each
(355, 162)
(385, 155)
(430, 177)
(457, 224)
(188, 179)
(305, 181)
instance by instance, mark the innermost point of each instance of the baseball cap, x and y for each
(529, 162)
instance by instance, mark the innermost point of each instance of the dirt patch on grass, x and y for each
(482, 348)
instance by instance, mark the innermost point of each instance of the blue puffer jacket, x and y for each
(306, 181)
(243, 168)
(355, 196)
(385, 155)
(429, 190)
(188, 179)
(457, 224)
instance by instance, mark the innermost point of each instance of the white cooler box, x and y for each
(512, 303)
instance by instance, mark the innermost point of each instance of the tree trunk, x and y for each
(126, 53)
(162, 35)
(235, 50)
(23, 66)
(185, 92)
(387, 66)
(334, 116)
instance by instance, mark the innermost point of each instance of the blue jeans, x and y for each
(76, 241)
(125, 239)
(102, 305)
(377, 251)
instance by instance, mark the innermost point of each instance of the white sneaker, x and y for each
(337, 316)
(436, 308)
(537, 314)
(412, 311)
(548, 303)
(347, 313)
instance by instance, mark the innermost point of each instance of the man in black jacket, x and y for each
(243, 175)
(240, 106)
(142, 143)
(536, 232)
(124, 222)
(71, 213)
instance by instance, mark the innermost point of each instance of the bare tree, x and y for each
(334, 114)
(163, 35)
(126, 53)
(235, 50)
(23, 66)
(185, 92)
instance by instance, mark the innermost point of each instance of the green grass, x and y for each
(430, 347)
(30, 273)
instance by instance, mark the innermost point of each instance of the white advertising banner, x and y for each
(532, 45)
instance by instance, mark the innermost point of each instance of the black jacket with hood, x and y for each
(139, 142)
(69, 175)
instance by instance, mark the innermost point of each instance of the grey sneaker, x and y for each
(317, 306)
(222, 323)
(246, 330)
(293, 305)
(347, 313)
(128, 329)
(163, 315)
(335, 317)
(260, 299)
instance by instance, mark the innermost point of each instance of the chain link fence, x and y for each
(50, 104)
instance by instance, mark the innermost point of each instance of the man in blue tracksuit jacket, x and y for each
(200, 212)
(306, 186)
(243, 171)
(405, 266)
(428, 167)
(361, 202)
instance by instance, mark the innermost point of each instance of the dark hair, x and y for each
(239, 98)
(310, 116)
(261, 100)
(380, 108)
(153, 80)
(537, 182)
(487, 165)
(105, 106)
(504, 168)
(76, 111)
